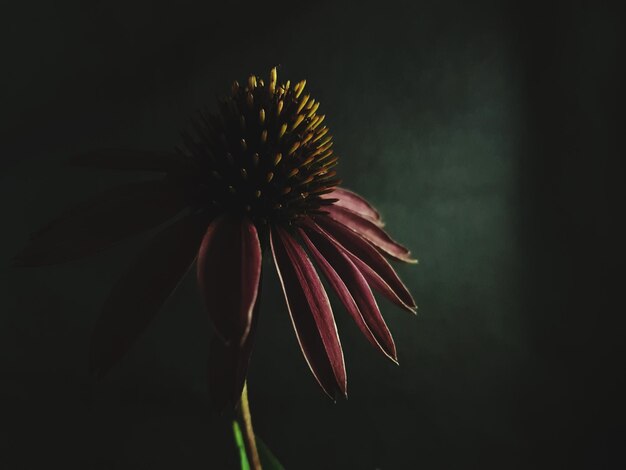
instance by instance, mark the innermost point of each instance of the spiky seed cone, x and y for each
(265, 152)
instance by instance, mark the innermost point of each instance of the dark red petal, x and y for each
(355, 203)
(142, 290)
(378, 223)
(103, 221)
(229, 269)
(378, 272)
(371, 232)
(310, 312)
(352, 289)
(228, 366)
(113, 159)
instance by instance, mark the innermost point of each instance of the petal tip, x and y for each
(392, 355)
(339, 395)
(244, 336)
(226, 341)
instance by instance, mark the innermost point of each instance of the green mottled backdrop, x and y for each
(484, 133)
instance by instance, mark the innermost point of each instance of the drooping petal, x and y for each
(142, 290)
(119, 159)
(378, 272)
(103, 221)
(228, 366)
(378, 223)
(229, 269)
(355, 203)
(311, 313)
(352, 289)
(371, 232)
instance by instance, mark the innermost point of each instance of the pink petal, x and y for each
(117, 159)
(378, 272)
(310, 312)
(229, 269)
(352, 289)
(102, 222)
(355, 203)
(371, 232)
(140, 293)
(228, 366)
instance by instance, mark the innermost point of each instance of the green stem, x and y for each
(248, 431)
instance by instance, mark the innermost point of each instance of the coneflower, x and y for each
(257, 177)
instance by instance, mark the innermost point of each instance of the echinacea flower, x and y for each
(256, 178)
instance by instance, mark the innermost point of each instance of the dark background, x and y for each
(487, 135)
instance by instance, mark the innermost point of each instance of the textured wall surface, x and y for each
(483, 133)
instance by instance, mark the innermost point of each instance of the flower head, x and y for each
(265, 154)
(258, 176)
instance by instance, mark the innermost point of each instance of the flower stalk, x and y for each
(248, 431)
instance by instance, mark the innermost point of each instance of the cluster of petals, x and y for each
(300, 217)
